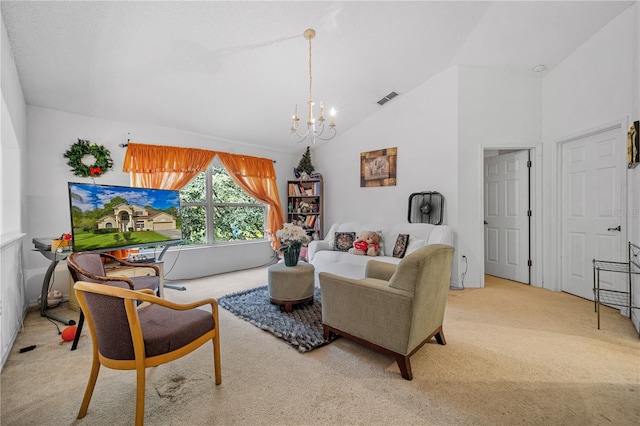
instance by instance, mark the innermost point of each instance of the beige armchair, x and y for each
(394, 310)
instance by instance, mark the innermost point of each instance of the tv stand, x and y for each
(164, 250)
(55, 258)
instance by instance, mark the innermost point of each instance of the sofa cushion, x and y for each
(343, 241)
(346, 264)
(400, 248)
(415, 230)
(415, 244)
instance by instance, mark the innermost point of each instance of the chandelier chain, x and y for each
(310, 74)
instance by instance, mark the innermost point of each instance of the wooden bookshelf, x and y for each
(304, 205)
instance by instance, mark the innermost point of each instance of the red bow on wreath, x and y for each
(95, 171)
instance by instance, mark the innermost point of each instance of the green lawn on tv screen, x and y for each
(91, 241)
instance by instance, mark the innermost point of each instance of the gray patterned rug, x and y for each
(300, 328)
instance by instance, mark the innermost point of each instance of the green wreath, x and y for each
(84, 149)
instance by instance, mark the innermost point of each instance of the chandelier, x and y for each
(315, 128)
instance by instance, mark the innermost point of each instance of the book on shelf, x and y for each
(310, 221)
(299, 190)
(294, 190)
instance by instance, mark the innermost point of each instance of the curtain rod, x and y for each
(124, 145)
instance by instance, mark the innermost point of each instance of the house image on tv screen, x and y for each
(127, 217)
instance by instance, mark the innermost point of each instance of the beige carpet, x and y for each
(515, 355)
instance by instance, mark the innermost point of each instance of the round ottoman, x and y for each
(290, 285)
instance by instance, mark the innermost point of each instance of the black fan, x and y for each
(426, 207)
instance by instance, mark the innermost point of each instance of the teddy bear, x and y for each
(366, 244)
(360, 245)
(374, 244)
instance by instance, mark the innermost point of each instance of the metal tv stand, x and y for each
(164, 250)
(55, 258)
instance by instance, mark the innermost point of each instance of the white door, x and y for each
(506, 205)
(592, 210)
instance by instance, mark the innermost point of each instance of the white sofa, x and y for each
(324, 258)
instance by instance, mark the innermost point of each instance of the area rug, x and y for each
(300, 328)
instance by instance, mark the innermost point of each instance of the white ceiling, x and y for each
(235, 70)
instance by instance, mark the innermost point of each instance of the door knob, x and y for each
(617, 228)
(486, 223)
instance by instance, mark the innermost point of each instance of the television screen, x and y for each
(107, 217)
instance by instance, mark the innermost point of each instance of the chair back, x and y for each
(81, 263)
(426, 273)
(108, 320)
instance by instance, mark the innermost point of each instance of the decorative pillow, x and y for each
(343, 241)
(415, 244)
(402, 242)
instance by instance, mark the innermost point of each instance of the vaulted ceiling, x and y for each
(235, 70)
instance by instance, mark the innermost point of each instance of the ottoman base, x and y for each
(286, 305)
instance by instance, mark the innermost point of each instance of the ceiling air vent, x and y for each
(387, 98)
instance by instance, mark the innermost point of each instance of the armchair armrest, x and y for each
(152, 298)
(105, 277)
(144, 295)
(316, 246)
(379, 270)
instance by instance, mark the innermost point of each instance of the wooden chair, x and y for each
(128, 334)
(88, 266)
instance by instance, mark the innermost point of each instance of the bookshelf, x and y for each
(304, 205)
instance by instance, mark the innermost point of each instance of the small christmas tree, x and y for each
(305, 163)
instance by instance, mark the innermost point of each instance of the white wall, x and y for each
(441, 129)
(13, 305)
(423, 125)
(13, 142)
(598, 84)
(497, 110)
(51, 133)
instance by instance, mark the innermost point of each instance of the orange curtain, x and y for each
(257, 177)
(164, 167)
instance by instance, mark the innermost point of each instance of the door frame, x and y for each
(557, 247)
(535, 199)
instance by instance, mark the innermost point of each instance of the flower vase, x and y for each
(291, 256)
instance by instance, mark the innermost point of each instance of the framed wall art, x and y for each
(378, 168)
(633, 146)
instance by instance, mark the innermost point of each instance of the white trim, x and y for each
(7, 240)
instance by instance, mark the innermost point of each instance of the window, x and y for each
(215, 210)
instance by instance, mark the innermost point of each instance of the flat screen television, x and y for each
(105, 217)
